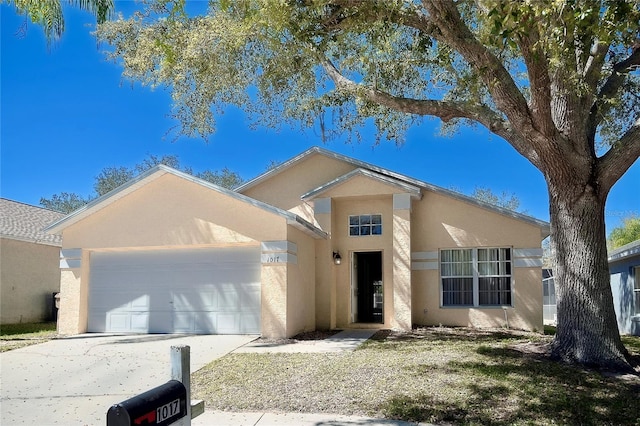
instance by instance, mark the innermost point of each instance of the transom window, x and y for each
(476, 277)
(365, 224)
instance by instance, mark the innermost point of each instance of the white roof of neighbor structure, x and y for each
(625, 251)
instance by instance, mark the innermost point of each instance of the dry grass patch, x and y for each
(434, 375)
(14, 336)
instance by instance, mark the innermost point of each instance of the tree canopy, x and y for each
(558, 80)
(48, 13)
(504, 199)
(110, 178)
(627, 233)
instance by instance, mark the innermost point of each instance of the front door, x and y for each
(367, 305)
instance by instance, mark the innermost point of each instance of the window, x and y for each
(456, 269)
(636, 290)
(476, 277)
(494, 276)
(365, 224)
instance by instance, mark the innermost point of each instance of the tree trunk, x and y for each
(587, 331)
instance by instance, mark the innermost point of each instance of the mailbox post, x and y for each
(162, 405)
(167, 404)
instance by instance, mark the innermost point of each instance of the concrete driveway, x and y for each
(74, 381)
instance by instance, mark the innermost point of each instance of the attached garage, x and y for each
(207, 291)
(170, 253)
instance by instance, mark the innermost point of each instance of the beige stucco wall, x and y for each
(284, 189)
(169, 213)
(29, 275)
(288, 288)
(441, 222)
(301, 315)
(435, 222)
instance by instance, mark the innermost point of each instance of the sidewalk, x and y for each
(346, 340)
(220, 418)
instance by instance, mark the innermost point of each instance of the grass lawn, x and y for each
(14, 336)
(451, 375)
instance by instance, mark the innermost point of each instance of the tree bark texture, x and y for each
(587, 329)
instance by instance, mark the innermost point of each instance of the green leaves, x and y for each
(48, 13)
(269, 57)
(628, 232)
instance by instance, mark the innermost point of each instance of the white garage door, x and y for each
(208, 291)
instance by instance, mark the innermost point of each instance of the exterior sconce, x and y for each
(337, 259)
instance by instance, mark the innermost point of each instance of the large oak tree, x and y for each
(558, 80)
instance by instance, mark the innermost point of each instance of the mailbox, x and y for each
(162, 405)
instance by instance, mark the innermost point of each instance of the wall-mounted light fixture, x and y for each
(337, 259)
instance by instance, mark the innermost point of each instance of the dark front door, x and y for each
(368, 276)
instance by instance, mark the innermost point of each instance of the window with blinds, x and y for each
(476, 277)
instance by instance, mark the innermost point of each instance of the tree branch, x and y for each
(442, 109)
(538, 72)
(336, 20)
(499, 82)
(594, 64)
(620, 157)
(611, 88)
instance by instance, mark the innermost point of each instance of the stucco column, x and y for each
(72, 312)
(402, 261)
(274, 300)
(325, 276)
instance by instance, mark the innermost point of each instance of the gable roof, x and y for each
(544, 226)
(405, 187)
(161, 170)
(24, 222)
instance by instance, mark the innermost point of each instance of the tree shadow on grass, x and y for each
(394, 340)
(502, 387)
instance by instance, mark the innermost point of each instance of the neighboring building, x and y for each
(29, 262)
(624, 267)
(322, 241)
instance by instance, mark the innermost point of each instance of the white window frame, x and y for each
(505, 270)
(636, 290)
(360, 225)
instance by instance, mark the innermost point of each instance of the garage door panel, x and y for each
(139, 321)
(186, 291)
(250, 323)
(250, 297)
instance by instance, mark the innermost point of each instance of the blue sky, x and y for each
(66, 114)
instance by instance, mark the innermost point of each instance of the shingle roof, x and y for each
(24, 222)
